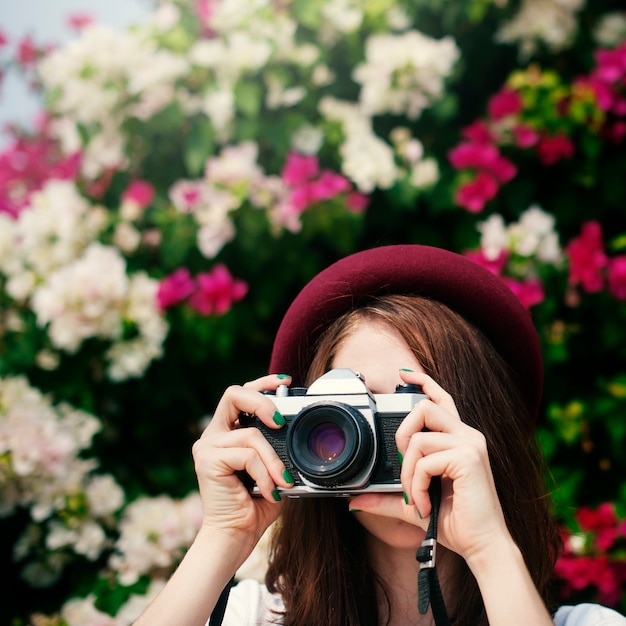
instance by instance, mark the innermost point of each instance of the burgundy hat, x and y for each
(466, 287)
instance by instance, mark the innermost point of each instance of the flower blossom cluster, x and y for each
(517, 251)
(607, 82)
(77, 287)
(208, 293)
(404, 73)
(550, 23)
(587, 561)
(101, 79)
(42, 470)
(153, 535)
(535, 111)
(591, 268)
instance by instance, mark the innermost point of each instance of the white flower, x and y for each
(404, 74)
(494, 238)
(425, 173)
(610, 29)
(550, 22)
(104, 495)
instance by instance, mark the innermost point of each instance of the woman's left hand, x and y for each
(470, 516)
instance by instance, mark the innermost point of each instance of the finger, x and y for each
(387, 505)
(252, 438)
(268, 383)
(427, 415)
(247, 460)
(237, 400)
(432, 389)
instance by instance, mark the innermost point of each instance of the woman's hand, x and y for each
(470, 516)
(226, 448)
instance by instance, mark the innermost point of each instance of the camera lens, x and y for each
(329, 443)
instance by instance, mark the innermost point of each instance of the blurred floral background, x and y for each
(189, 174)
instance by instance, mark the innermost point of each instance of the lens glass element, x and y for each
(327, 441)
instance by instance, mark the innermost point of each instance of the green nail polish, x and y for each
(405, 369)
(406, 498)
(400, 457)
(276, 495)
(287, 476)
(282, 376)
(354, 510)
(418, 512)
(279, 420)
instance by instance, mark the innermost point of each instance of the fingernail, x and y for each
(405, 369)
(279, 420)
(406, 498)
(400, 457)
(287, 476)
(418, 512)
(276, 495)
(282, 376)
(354, 510)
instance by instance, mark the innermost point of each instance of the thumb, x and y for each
(388, 505)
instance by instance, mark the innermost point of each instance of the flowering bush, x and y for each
(189, 174)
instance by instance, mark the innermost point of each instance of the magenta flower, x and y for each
(216, 292)
(482, 156)
(552, 149)
(78, 21)
(478, 132)
(504, 103)
(27, 52)
(329, 185)
(617, 277)
(525, 136)
(357, 202)
(140, 192)
(475, 194)
(299, 169)
(528, 292)
(175, 288)
(587, 259)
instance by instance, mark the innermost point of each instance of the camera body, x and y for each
(339, 438)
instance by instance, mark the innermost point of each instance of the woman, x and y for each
(398, 315)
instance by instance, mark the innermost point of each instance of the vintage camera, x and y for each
(339, 438)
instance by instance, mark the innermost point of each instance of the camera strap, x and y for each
(428, 588)
(217, 616)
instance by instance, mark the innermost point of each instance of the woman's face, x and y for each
(377, 351)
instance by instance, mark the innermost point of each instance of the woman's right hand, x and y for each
(226, 448)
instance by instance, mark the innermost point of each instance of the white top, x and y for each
(251, 604)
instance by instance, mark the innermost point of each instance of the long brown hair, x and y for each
(319, 561)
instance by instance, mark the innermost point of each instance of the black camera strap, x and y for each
(428, 588)
(217, 617)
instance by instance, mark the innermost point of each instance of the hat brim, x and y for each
(478, 295)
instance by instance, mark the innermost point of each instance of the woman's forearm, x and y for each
(509, 593)
(193, 590)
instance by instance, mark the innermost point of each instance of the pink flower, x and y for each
(552, 149)
(602, 522)
(187, 195)
(482, 156)
(525, 136)
(216, 292)
(587, 259)
(617, 277)
(175, 288)
(357, 202)
(27, 52)
(528, 292)
(611, 64)
(478, 132)
(329, 185)
(496, 266)
(475, 194)
(504, 103)
(78, 21)
(299, 169)
(140, 192)
(3, 39)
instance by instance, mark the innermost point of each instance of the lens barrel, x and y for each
(330, 443)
